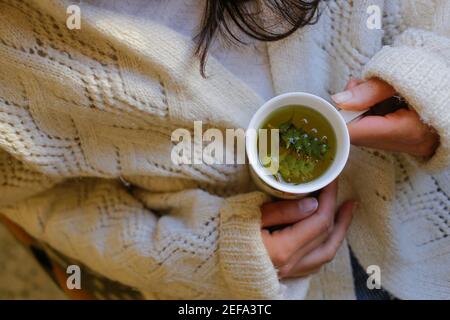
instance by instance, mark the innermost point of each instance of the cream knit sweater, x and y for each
(81, 111)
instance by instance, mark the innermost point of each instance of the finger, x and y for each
(313, 245)
(327, 251)
(327, 198)
(371, 130)
(364, 95)
(353, 82)
(400, 131)
(287, 212)
(417, 137)
(286, 269)
(433, 142)
(402, 126)
(291, 239)
(287, 261)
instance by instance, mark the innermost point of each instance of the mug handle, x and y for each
(350, 116)
(387, 106)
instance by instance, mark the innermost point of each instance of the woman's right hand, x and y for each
(312, 232)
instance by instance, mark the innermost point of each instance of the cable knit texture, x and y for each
(83, 111)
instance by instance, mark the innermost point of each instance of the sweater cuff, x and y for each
(422, 78)
(246, 266)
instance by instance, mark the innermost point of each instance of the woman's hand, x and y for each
(400, 131)
(311, 235)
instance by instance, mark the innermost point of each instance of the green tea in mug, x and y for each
(307, 144)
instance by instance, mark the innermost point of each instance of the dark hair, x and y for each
(265, 20)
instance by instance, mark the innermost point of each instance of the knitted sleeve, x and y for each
(19, 181)
(89, 107)
(417, 65)
(183, 245)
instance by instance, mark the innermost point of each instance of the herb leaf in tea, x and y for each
(303, 150)
(295, 168)
(304, 142)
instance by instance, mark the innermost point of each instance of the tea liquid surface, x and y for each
(309, 132)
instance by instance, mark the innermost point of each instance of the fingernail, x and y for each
(308, 205)
(342, 97)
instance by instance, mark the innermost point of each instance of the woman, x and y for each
(117, 88)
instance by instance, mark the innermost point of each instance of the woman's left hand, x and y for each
(399, 131)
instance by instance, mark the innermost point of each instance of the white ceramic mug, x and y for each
(267, 182)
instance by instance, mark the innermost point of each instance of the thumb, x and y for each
(363, 95)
